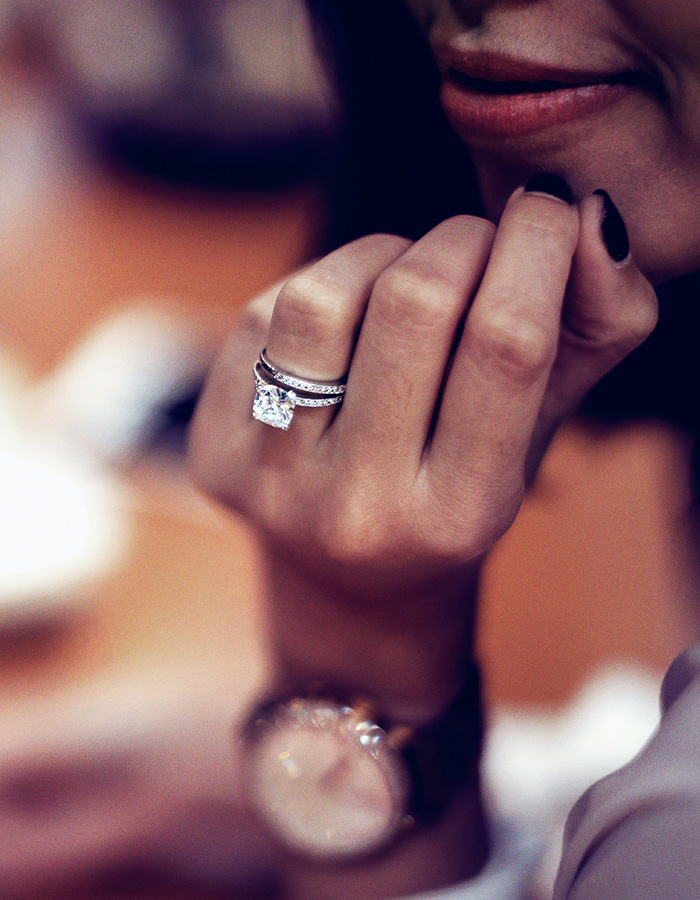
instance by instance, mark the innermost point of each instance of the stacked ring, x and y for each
(278, 393)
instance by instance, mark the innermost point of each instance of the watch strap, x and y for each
(443, 756)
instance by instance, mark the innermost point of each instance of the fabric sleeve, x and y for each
(635, 835)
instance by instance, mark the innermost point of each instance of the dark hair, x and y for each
(661, 379)
(400, 168)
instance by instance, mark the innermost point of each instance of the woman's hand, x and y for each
(464, 352)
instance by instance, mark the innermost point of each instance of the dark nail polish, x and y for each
(613, 228)
(553, 185)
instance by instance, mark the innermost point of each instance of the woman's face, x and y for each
(605, 93)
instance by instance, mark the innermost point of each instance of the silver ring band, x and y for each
(298, 399)
(274, 404)
(301, 384)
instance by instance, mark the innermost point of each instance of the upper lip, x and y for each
(499, 71)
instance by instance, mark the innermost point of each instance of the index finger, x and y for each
(502, 363)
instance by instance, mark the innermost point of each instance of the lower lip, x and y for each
(479, 116)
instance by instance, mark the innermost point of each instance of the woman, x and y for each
(464, 344)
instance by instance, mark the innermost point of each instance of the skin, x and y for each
(645, 150)
(377, 516)
(375, 535)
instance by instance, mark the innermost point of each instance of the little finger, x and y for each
(610, 309)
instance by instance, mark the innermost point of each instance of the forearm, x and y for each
(412, 670)
(397, 646)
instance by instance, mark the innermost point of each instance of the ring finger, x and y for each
(318, 314)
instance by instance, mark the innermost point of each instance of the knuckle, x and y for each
(312, 306)
(471, 229)
(647, 316)
(420, 288)
(546, 240)
(254, 318)
(274, 512)
(627, 325)
(636, 330)
(382, 241)
(513, 346)
(462, 525)
(500, 515)
(453, 542)
(448, 544)
(346, 536)
(552, 238)
(407, 291)
(359, 523)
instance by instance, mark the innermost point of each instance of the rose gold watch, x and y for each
(332, 781)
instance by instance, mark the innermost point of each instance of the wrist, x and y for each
(412, 651)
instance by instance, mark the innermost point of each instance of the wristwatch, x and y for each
(331, 780)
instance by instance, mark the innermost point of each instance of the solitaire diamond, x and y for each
(273, 405)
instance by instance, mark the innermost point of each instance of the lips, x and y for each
(488, 96)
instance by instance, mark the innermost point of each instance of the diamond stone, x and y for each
(273, 405)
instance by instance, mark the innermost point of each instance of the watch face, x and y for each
(325, 781)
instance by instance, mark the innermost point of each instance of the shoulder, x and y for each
(636, 833)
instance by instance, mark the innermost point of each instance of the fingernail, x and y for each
(553, 185)
(613, 229)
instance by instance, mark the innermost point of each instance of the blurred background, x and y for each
(161, 161)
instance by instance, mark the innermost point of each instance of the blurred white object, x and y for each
(122, 53)
(537, 764)
(270, 46)
(61, 526)
(107, 398)
(60, 529)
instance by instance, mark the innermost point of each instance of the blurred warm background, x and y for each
(160, 162)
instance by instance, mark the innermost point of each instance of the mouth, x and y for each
(488, 96)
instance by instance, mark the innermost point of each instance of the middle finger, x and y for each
(406, 340)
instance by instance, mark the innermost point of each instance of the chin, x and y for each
(662, 268)
(660, 215)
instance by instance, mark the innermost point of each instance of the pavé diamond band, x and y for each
(275, 399)
(300, 384)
